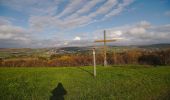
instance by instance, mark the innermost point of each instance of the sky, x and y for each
(61, 23)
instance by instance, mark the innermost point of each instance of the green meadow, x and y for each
(78, 83)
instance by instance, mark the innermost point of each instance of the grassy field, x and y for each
(72, 83)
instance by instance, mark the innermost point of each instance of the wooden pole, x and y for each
(105, 58)
(94, 62)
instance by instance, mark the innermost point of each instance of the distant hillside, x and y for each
(163, 45)
(152, 46)
(74, 48)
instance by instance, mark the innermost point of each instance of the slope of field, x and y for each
(72, 83)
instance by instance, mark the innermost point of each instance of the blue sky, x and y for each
(55, 23)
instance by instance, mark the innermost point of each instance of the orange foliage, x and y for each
(161, 57)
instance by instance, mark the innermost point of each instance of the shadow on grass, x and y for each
(58, 93)
(85, 71)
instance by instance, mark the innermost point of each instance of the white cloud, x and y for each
(120, 7)
(85, 9)
(137, 30)
(4, 21)
(5, 36)
(71, 7)
(9, 31)
(33, 7)
(77, 38)
(65, 43)
(106, 7)
(88, 7)
(118, 33)
(10, 34)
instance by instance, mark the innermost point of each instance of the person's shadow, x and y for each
(58, 93)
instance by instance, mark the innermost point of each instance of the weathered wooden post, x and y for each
(94, 62)
(105, 55)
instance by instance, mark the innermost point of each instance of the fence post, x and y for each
(94, 62)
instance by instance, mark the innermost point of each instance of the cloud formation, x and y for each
(10, 34)
(138, 33)
(78, 13)
(51, 23)
(33, 7)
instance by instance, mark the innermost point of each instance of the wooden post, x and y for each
(105, 55)
(94, 62)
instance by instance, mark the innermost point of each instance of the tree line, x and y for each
(147, 57)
